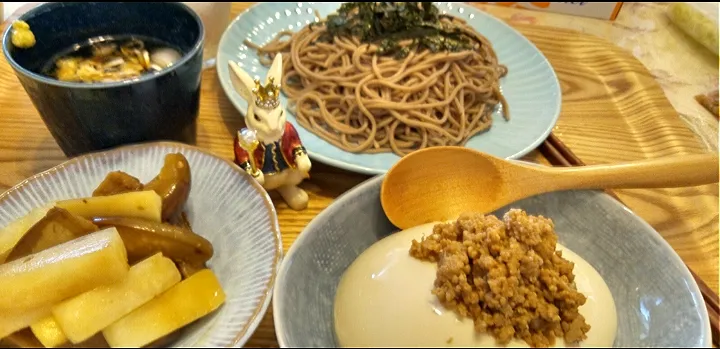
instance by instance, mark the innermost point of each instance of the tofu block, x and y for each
(140, 204)
(49, 333)
(66, 270)
(11, 322)
(10, 235)
(83, 316)
(189, 300)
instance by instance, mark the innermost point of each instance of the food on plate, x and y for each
(22, 36)
(11, 234)
(57, 273)
(117, 182)
(172, 184)
(144, 238)
(27, 339)
(12, 321)
(85, 315)
(48, 332)
(21, 339)
(184, 303)
(111, 58)
(57, 227)
(389, 77)
(75, 268)
(181, 221)
(478, 281)
(145, 204)
(188, 269)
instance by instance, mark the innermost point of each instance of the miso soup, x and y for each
(111, 58)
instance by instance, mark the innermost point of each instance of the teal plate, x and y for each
(530, 87)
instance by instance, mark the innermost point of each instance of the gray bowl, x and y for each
(658, 302)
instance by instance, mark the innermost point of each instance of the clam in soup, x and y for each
(111, 59)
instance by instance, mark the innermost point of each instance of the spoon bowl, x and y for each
(440, 183)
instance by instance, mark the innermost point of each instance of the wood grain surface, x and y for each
(558, 154)
(612, 111)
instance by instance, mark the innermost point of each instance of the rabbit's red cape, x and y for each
(289, 145)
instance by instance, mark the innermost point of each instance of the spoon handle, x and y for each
(669, 172)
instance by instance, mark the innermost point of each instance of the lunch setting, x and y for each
(351, 174)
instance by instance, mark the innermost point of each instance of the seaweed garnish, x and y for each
(387, 24)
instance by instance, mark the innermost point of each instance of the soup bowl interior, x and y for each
(85, 117)
(59, 26)
(658, 302)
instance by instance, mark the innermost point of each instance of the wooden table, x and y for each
(690, 226)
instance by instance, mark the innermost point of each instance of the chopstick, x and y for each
(558, 154)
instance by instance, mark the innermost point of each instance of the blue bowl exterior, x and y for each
(89, 117)
(658, 302)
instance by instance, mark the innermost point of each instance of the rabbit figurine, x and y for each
(269, 148)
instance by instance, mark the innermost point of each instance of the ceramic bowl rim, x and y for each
(49, 6)
(259, 312)
(329, 211)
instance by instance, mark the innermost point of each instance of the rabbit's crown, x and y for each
(266, 97)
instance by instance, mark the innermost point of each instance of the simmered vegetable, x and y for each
(14, 232)
(57, 227)
(73, 268)
(21, 339)
(118, 182)
(172, 184)
(87, 314)
(187, 270)
(181, 221)
(12, 321)
(164, 342)
(26, 339)
(45, 278)
(182, 304)
(144, 238)
(48, 332)
(145, 204)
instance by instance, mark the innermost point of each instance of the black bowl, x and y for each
(88, 117)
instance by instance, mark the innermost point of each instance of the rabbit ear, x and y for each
(275, 71)
(241, 81)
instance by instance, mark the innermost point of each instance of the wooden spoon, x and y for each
(440, 183)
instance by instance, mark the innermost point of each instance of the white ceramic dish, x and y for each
(225, 206)
(531, 86)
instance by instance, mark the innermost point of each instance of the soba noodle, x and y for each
(367, 103)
